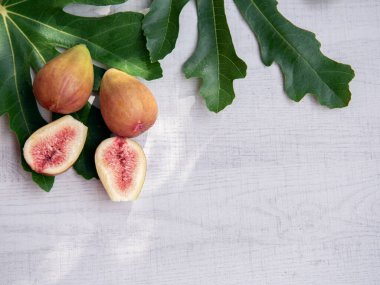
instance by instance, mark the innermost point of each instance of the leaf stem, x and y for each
(3, 11)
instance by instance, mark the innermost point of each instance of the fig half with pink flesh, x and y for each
(121, 166)
(55, 147)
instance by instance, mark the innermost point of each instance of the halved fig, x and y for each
(55, 147)
(121, 166)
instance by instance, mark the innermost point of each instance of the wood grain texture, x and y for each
(267, 192)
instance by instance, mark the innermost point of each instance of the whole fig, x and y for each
(65, 83)
(127, 106)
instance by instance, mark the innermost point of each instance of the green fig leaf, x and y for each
(97, 132)
(98, 75)
(161, 27)
(215, 60)
(45, 182)
(297, 52)
(30, 33)
(16, 97)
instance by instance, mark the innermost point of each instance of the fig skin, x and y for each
(55, 147)
(113, 158)
(65, 83)
(127, 105)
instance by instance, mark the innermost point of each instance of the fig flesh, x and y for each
(55, 147)
(127, 105)
(65, 83)
(121, 166)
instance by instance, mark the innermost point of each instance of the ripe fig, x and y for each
(121, 166)
(65, 83)
(55, 147)
(127, 105)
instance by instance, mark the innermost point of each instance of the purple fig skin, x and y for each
(65, 83)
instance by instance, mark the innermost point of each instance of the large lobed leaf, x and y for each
(215, 60)
(297, 52)
(30, 32)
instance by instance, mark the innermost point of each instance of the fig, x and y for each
(127, 105)
(65, 83)
(121, 166)
(55, 147)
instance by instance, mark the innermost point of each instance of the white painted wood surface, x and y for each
(267, 192)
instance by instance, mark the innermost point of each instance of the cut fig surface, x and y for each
(121, 166)
(55, 147)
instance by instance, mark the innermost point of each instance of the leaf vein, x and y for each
(27, 38)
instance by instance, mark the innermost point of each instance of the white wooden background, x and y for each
(267, 192)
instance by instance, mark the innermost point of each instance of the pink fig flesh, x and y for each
(55, 147)
(52, 150)
(121, 166)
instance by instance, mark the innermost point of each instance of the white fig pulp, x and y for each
(121, 166)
